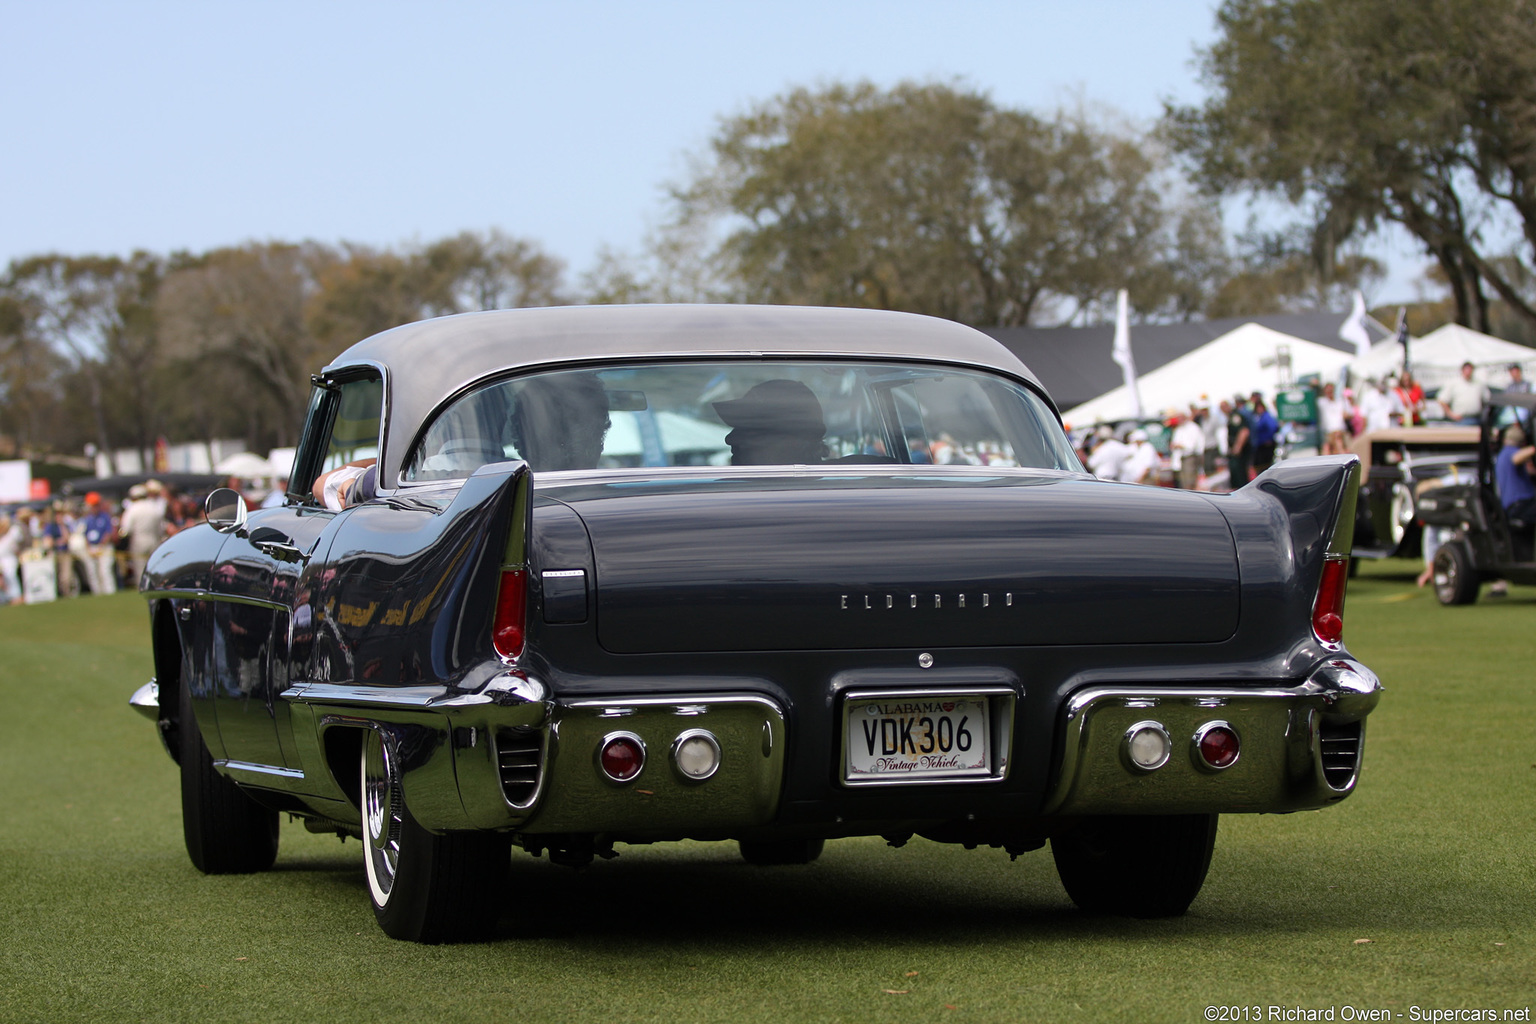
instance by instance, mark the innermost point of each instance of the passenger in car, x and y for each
(776, 423)
(559, 422)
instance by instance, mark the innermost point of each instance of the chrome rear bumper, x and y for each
(1301, 746)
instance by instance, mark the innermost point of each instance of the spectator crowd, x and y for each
(89, 545)
(1225, 447)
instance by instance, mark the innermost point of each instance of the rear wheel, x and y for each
(1455, 581)
(227, 833)
(1134, 865)
(781, 851)
(424, 887)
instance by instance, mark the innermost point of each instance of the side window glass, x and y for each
(355, 429)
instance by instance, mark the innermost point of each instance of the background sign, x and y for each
(16, 480)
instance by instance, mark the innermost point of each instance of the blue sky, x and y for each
(164, 126)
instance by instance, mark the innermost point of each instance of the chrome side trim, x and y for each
(209, 595)
(258, 770)
(620, 707)
(417, 698)
(506, 689)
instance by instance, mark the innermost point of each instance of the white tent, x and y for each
(1437, 357)
(281, 461)
(1241, 361)
(246, 465)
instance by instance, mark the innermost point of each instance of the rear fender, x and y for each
(407, 593)
(1287, 523)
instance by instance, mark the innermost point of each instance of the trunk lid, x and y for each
(918, 560)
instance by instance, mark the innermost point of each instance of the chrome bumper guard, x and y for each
(742, 793)
(1301, 746)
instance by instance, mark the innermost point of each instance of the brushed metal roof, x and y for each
(427, 362)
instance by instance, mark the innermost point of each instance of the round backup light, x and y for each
(1147, 746)
(696, 753)
(621, 756)
(1216, 746)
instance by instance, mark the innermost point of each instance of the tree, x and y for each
(472, 271)
(94, 313)
(1284, 272)
(930, 198)
(245, 308)
(1415, 112)
(366, 290)
(30, 376)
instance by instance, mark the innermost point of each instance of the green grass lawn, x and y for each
(1420, 890)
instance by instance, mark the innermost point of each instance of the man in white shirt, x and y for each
(1463, 398)
(1108, 455)
(1330, 422)
(1188, 444)
(1140, 467)
(1377, 406)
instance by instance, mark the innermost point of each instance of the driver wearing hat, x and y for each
(776, 423)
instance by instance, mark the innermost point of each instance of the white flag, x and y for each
(1353, 329)
(1122, 351)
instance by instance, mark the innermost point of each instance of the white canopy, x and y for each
(246, 465)
(281, 461)
(1437, 357)
(1241, 361)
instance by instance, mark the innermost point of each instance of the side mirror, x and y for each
(226, 510)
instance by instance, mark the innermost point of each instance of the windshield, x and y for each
(744, 414)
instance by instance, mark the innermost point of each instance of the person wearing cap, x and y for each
(1140, 466)
(100, 555)
(1188, 444)
(1108, 455)
(143, 523)
(776, 423)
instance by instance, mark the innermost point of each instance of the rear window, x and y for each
(743, 414)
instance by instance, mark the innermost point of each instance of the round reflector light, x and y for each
(696, 753)
(621, 756)
(1147, 746)
(1217, 745)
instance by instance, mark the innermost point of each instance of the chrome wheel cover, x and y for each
(1445, 578)
(381, 815)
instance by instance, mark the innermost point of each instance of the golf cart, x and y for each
(1395, 463)
(1485, 544)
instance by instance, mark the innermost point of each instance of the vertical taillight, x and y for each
(1328, 609)
(510, 626)
(509, 629)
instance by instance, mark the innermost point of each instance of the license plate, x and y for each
(918, 738)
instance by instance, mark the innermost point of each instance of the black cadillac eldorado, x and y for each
(775, 575)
